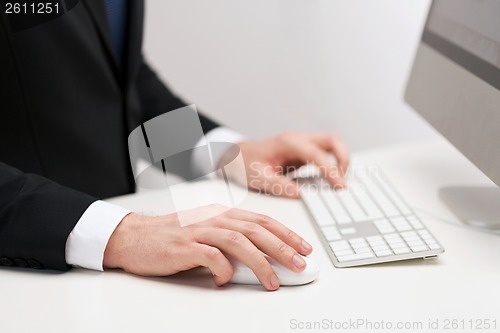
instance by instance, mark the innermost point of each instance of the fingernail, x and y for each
(298, 261)
(306, 246)
(340, 184)
(275, 282)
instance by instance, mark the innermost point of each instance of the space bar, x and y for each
(357, 256)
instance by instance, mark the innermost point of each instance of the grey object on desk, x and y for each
(455, 86)
(477, 206)
(367, 223)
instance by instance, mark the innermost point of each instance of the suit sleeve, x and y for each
(157, 99)
(36, 218)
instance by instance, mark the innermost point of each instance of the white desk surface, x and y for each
(462, 284)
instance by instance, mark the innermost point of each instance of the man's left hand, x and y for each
(267, 162)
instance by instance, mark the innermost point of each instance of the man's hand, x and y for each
(159, 246)
(268, 161)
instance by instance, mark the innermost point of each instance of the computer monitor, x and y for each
(455, 86)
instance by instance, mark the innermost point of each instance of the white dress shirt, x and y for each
(86, 243)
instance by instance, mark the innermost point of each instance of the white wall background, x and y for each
(264, 66)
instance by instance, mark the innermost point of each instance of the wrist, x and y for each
(122, 248)
(119, 242)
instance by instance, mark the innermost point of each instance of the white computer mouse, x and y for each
(244, 275)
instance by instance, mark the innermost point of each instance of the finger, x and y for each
(333, 143)
(267, 242)
(275, 227)
(279, 186)
(240, 247)
(311, 152)
(212, 258)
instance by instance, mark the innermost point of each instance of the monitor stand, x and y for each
(476, 206)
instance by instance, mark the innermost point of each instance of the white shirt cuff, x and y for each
(219, 134)
(86, 243)
(223, 134)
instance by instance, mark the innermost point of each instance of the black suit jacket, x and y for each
(67, 108)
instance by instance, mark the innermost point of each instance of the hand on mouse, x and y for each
(159, 246)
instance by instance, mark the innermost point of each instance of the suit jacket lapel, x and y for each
(133, 55)
(98, 13)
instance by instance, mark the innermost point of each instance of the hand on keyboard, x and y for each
(268, 161)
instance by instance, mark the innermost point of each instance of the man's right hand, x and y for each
(159, 246)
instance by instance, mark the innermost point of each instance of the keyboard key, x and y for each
(357, 213)
(379, 248)
(396, 198)
(335, 207)
(318, 210)
(430, 242)
(392, 238)
(398, 220)
(340, 245)
(383, 253)
(400, 224)
(386, 230)
(434, 246)
(357, 256)
(362, 250)
(381, 222)
(371, 209)
(376, 242)
(383, 201)
(403, 227)
(377, 238)
(358, 242)
(397, 245)
(331, 233)
(383, 226)
(410, 235)
(425, 234)
(414, 221)
(401, 250)
(427, 238)
(415, 243)
(343, 253)
(324, 219)
(347, 231)
(419, 248)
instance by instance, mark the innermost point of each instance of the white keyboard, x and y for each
(367, 223)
